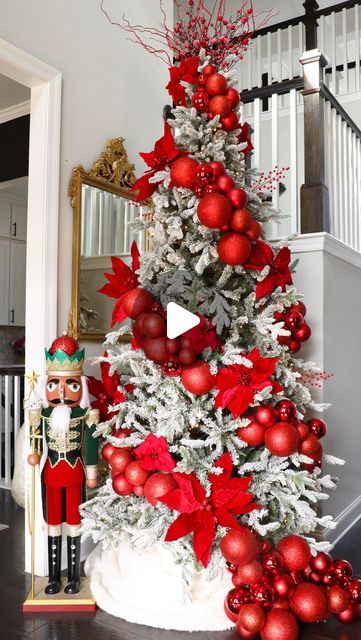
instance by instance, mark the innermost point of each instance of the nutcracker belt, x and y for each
(69, 456)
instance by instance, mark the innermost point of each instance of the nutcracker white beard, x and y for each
(60, 420)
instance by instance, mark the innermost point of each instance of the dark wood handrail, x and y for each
(328, 95)
(269, 90)
(337, 8)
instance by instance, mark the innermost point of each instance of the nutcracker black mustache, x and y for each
(66, 401)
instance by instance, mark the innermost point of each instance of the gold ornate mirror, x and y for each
(103, 208)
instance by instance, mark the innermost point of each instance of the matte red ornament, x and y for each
(208, 70)
(241, 220)
(303, 333)
(233, 248)
(251, 617)
(309, 602)
(303, 430)
(322, 562)
(262, 594)
(250, 572)
(107, 451)
(281, 603)
(153, 325)
(239, 547)
(172, 345)
(155, 349)
(283, 585)
(293, 320)
(280, 625)
(218, 168)
(216, 84)
(198, 378)
(120, 460)
(135, 474)
(349, 615)
(255, 231)
(310, 446)
(214, 211)
(237, 197)
(233, 96)
(230, 122)
(183, 172)
(273, 562)
(244, 634)
(187, 356)
(354, 589)
(121, 486)
(253, 434)
(157, 485)
(266, 415)
(286, 410)
(136, 301)
(338, 599)
(138, 491)
(64, 343)
(225, 183)
(236, 580)
(220, 106)
(296, 552)
(282, 439)
(317, 426)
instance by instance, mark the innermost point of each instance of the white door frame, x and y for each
(42, 235)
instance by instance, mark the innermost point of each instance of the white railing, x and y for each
(339, 39)
(11, 415)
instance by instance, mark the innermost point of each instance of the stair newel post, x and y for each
(310, 22)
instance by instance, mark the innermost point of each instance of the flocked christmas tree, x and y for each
(212, 439)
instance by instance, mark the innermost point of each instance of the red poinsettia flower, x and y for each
(244, 137)
(153, 454)
(279, 274)
(163, 153)
(106, 391)
(186, 71)
(238, 384)
(201, 514)
(203, 335)
(120, 281)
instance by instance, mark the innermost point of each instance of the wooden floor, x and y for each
(14, 625)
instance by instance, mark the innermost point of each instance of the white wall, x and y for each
(111, 88)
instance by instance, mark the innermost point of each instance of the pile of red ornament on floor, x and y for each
(276, 588)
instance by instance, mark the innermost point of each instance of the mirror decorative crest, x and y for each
(103, 208)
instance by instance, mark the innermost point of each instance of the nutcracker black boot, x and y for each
(73, 565)
(54, 558)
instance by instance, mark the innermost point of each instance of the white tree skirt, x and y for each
(146, 587)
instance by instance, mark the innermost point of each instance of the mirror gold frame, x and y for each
(113, 173)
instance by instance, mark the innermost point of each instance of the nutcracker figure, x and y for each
(67, 423)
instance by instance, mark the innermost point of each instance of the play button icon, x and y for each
(179, 320)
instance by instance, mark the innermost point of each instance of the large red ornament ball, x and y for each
(155, 349)
(233, 96)
(273, 562)
(183, 172)
(220, 106)
(317, 426)
(236, 598)
(283, 585)
(342, 570)
(322, 562)
(121, 486)
(217, 168)
(198, 378)
(138, 491)
(172, 345)
(250, 572)
(208, 70)
(187, 356)
(293, 320)
(251, 617)
(296, 552)
(280, 625)
(310, 446)
(286, 410)
(120, 460)
(214, 211)
(253, 434)
(303, 430)
(107, 451)
(303, 333)
(233, 248)
(157, 485)
(136, 301)
(262, 594)
(153, 325)
(282, 439)
(230, 122)
(239, 547)
(237, 197)
(266, 415)
(338, 599)
(216, 84)
(255, 231)
(225, 183)
(300, 307)
(244, 634)
(64, 343)
(349, 615)
(241, 220)
(354, 589)
(135, 474)
(309, 602)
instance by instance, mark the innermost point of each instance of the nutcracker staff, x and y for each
(66, 422)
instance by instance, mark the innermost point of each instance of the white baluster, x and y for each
(275, 192)
(295, 222)
(279, 55)
(345, 56)
(340, 198)
(354, 189)
(259, 61)
(300, 46)
(290, 52)
(118, 226)
(333, 54)
(17, 405)
(257, 133)
(328, 150)
(358, 201)
(7, 450)
(269, 58)
(334, 210)
(346, 229)
(249, 59)
(357, 46)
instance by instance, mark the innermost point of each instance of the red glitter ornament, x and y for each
(250, 572)
(282, 439)
(237, 197)
(303, 430)
(239, 547)
(120, 459)
(251, 617)
(214, 211)
(138, 491)
(208, 70)
(233, 96)
(286, 410)
(309, 602)
(253, 434)
(280, 625)
(183, 172)
(233, 248)
(244, 634)
(64, 343)
(266, 415)
(121, 486)
(241, 220)
(230, 122)
(153, 325)
(220, 106)
(225, 183)
(216, 84)
(354, 589)
(136, 301)
(172, 345)
(283, 585)
(296, 552)
(217, 168)
(255, 231)
(187, 356)
(107, 451)
(338, 599)
(155, 349)
(157, 485)
(310, 446)
(135, 474)
(198, 378)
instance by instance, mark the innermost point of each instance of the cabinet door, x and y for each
(17, 283)
(4, 280)
(5, 217)
(18, 222)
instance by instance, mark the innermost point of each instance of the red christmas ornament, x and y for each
(230, 122)
(303, 430)
(295, 346)
(233, 248)
(310, 446)
(284, 340)
(138, 491)
(236, 598)
(172, 345)
(273, 562)
(253, 434)
(349, 615)
(293, 319)
(241, 220)
(251, 617)
(354, 589)
(321, 563)
(266, 546)
(315, 577)
(121, 486)
(237, 197)
(283, 585)
(296, 552)
(236, 581)
(200, 101)
(262, 594)
(239, 547)
(217, 167)
(317, 426)
(198, 378)
(244, 634)
(296, 577)
(303, 333)
(120, 460)
(210, 188)
(220, 106)
(328, 579)
(266, 415)
(205, 174)
(233, 96)
(250, 572)
(282, 439)
(216, 84)
(286, 410)
(183, 172)
(135, 474)
(300, 307)
(157, 485)
(107, 451)
(232, 568)
(187, 356)
(208, 70)
(153, 325)
(309, 602)
(255, 231)
(337, 598)
(155, 349)
(280, 625)
(281, 604)
(225, 183)
(64, 343)
(136, 301)
(214, 211)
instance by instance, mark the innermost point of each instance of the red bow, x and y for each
(153, 454)
(201, 514)
(163, 153)
(238, 384)
(187, 71)
(279, 274)
(120, 281)
(105, 391)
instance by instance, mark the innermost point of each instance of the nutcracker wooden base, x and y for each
(60, 602)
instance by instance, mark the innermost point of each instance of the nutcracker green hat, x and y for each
(64, 357)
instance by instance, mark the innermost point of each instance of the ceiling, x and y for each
(12, 93)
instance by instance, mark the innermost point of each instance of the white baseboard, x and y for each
(345, 521)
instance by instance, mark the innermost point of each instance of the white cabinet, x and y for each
(18, 222)
(17, 281)
(5, 218)
(4, 280)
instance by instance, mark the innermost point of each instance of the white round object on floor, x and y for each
(146, 587)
